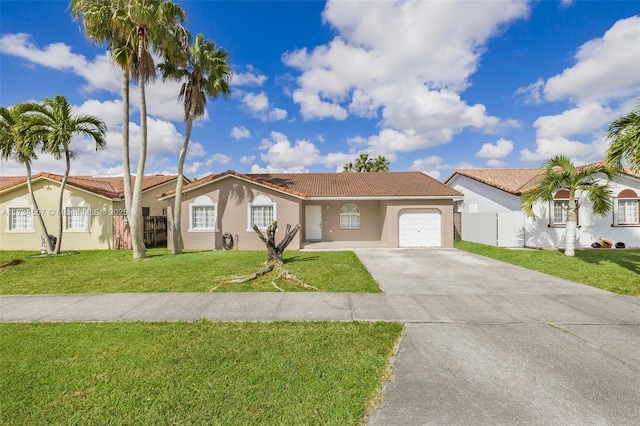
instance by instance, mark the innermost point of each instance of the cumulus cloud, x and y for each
(258, 105)
(218, 158)
(405, 62)
(247, 159)
(496, 163)
(240, 133)
(251, 77)
(548, 148)
(582, 119)
(501, 149)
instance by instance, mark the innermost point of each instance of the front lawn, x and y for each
(613, 270)
(198, 373)
(114, 271)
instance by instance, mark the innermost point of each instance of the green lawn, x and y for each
(617, 271)
(113, 271)
(199, 373)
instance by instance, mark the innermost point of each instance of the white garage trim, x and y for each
(419, 228)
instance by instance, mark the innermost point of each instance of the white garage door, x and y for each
(419, 228)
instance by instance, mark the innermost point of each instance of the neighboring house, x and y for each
(393, 209)
(491, 211)
(94, 210)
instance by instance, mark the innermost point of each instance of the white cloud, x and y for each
(251, 78)
(496, 163)
(501, 149)
(270, 169)
(404, 61)
(566, 3)
(258, 105)
(548, 148)
(218, 158)
(240, 133)
(434, 165)
(581, 119)
(606, 68)
(532, 93)
(247, 159)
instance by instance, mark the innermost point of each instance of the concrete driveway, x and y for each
(506, 345)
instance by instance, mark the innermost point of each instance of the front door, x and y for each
(313, 223)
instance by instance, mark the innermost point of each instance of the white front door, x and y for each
(313, 223)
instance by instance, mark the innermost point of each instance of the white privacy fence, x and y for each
(505, 229)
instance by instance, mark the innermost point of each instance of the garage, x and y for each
(419, 228)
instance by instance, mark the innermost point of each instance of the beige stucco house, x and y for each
(393, 209)
(93, 210)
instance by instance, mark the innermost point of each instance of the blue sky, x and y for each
(431, 85)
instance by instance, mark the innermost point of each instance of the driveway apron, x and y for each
(505, 345)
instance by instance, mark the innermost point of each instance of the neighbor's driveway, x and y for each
(505, 345)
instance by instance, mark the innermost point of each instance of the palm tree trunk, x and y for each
(139, 250)
(177, 207)
(570, 232)
(45, 234)
(126, 166)
(63, 184)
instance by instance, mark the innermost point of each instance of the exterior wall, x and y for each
(149, 199)
(485, 198)
(232, 197)
(391, 212)
(370, 221)
(47, 193)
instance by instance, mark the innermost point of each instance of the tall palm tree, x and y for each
(380, 164)
(53, 123)
(362, 163)
(624, 136)
(560, 173)
(348, 167)
(16, 143)
(150, 26)
(98, 18)
(207, 73)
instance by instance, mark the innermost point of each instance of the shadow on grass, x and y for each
(628, 259)
(294, 259)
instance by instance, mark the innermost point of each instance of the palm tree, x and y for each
(53, 123)
(560, 173)
(207, 73)
(348, 167)
(362, 163)
(16, 143)
(380, 164)
(98, 18)
(624, 136)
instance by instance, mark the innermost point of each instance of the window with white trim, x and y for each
(20, 219)
(627, 208)
(78, 215)
(349, 217)
(203, 215)
(19, 216)
(262, 212)
(559, 206)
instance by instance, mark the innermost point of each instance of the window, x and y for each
(77, 215)
(20, 219)
(627, 207)
(262, 212)
(349, 217)
(559, 206)
(203, 215)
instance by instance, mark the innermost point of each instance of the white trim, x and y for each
(18, 203)
(203, 201)
(260, 201)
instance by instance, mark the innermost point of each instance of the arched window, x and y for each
(262, 212)
(627, 207)
(20, 216)
(78, 215)
(559, 206)
(203, 215)
(349, 217)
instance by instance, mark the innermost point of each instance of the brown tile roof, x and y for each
(110, 187)
(343, 185)
(514, 181)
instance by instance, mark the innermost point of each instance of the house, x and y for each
(491, 211)
(392, 209)
(93, 208)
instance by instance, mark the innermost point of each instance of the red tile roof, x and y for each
(342, 185)
(110, 187)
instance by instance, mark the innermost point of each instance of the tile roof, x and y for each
(343, 185)
(110, 187)
(513, 181)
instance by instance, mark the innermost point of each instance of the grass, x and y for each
(613, 270)
(114, 271)
(193, 373)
